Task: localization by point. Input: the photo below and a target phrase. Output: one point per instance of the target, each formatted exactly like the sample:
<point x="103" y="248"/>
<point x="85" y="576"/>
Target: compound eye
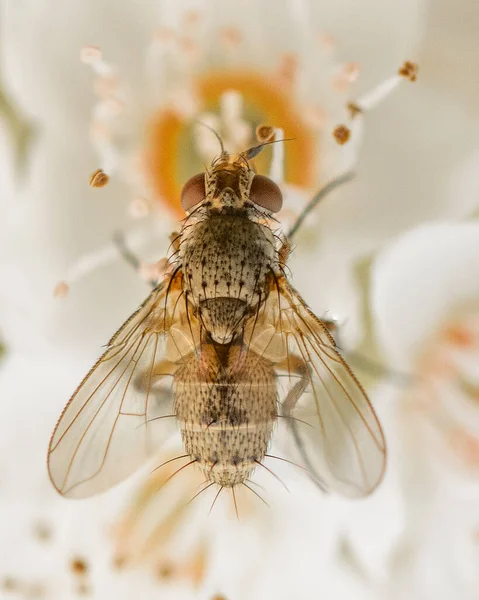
<point x="193" y="191"/>
<point x="266" y="193"/>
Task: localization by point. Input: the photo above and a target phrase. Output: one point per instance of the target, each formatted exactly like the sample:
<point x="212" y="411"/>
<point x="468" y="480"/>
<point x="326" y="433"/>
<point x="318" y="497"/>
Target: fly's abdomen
<point x="227" y="454"/>
<point x="226" y="413"/>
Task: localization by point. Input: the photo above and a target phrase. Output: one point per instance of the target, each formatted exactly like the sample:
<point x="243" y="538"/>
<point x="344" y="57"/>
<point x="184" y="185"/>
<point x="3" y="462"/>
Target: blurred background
<point x="393" y="256"/>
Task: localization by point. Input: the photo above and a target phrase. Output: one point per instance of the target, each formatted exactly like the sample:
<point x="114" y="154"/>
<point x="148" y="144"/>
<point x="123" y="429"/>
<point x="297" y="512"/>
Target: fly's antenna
<point x="215" y="133"/>
<point x="255" y="150"/>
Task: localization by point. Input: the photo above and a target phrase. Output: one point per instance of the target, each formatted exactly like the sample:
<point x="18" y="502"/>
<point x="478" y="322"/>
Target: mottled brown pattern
<point x="223" y="324"/>
<point x="225" y="398"/>
<point x="226" y="261"/>
<point x="225" y="403"/>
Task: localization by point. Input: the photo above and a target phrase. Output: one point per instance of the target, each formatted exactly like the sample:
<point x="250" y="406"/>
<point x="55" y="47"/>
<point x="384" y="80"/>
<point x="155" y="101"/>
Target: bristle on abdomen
<point x="227" y="454"/>
<point x="225" y="404"/>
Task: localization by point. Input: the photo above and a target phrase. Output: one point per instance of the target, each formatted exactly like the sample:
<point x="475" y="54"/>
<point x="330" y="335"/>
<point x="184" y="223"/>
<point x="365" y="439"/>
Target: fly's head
<point x="231" y="186"/>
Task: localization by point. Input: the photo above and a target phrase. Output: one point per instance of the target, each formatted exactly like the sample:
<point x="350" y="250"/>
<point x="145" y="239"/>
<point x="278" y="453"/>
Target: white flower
<point x="425" y="302"/>
<point x="55" y="218"/>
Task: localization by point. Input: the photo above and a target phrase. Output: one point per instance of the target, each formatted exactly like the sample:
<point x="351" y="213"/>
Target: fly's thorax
<point x="226" y="259"/>
<point x="225" y="401"/>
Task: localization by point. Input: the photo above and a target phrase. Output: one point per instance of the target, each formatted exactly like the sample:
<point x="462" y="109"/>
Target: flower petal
<point x="418" y="280"/>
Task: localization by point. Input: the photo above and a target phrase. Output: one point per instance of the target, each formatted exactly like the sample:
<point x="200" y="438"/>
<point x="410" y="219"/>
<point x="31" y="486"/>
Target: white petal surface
<point x="56" y="217"/>
<point x="412" y="145"/>
<point x="419" y="280"/>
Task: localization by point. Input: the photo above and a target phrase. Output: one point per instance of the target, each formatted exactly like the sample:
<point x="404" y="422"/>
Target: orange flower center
<point x="170" y="157"/>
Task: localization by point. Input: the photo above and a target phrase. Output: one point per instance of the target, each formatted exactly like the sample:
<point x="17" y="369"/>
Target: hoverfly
<point x="206" y="352"/>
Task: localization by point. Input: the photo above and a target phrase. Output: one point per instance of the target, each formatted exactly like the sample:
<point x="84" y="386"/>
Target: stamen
<point x="327" y="42"/>
<point x="99" y="258"/>
<point x="288" y="69"/>
<point x="353" y="109"/>
<point x="315" y="116"/>
<point x="61" y="290"/>
<point x="265" y="133"/>
<point x="342" y="134"/>
<point x="382" y="91"/>
<point x="276" y="169"/>
<point x="237" y="129"/>
<point x="230" y="37"/>
<point x="189" y="47"/>
<point x="351" y="131"/>
<point x="459" y="335"/>
<point x="409" y="70"/>
<point x="236" y="132"/>
<point x="90" y="55"/>
<point x="164" y="34"/>
<point x="231" y="103"/>
<point x="139" y="208"/>
<point x="91" y="262"/>
<point x="191" y="18"/>
<point x="99" y="179"/>
<point x="347" y="75"/>
<point x="107" y="88"/>
<point x="79" y="566"/>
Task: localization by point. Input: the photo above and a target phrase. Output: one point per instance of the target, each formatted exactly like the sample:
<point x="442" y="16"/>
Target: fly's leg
<point x="148" y="378"/>
<point x="284" y="251"/>
<point x="316" y="199"/>
<point x="297" y="366"/>
<point x="160" y="413"/>
<point x="360" y="361"/>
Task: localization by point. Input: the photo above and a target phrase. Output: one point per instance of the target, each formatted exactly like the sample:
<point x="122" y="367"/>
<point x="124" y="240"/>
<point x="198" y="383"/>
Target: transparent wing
<point x="113" y="422"/>
<point x="336" y="434"/>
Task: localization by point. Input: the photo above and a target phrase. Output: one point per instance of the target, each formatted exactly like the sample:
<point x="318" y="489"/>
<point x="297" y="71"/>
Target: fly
<point x="206" y="353"/>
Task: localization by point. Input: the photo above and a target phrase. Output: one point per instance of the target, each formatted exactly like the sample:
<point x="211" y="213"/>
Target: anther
<point x="354" y="109"/>
<point x="342" y="134"/>
<point x="99" y="179"/>
<point x="409" y="70"/>
<point x="265" y="133"/>
<point x="61" y="290"/>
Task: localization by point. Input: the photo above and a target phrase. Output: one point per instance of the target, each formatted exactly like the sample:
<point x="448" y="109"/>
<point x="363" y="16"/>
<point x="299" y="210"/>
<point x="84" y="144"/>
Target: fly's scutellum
<point x="206" y="352"/>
